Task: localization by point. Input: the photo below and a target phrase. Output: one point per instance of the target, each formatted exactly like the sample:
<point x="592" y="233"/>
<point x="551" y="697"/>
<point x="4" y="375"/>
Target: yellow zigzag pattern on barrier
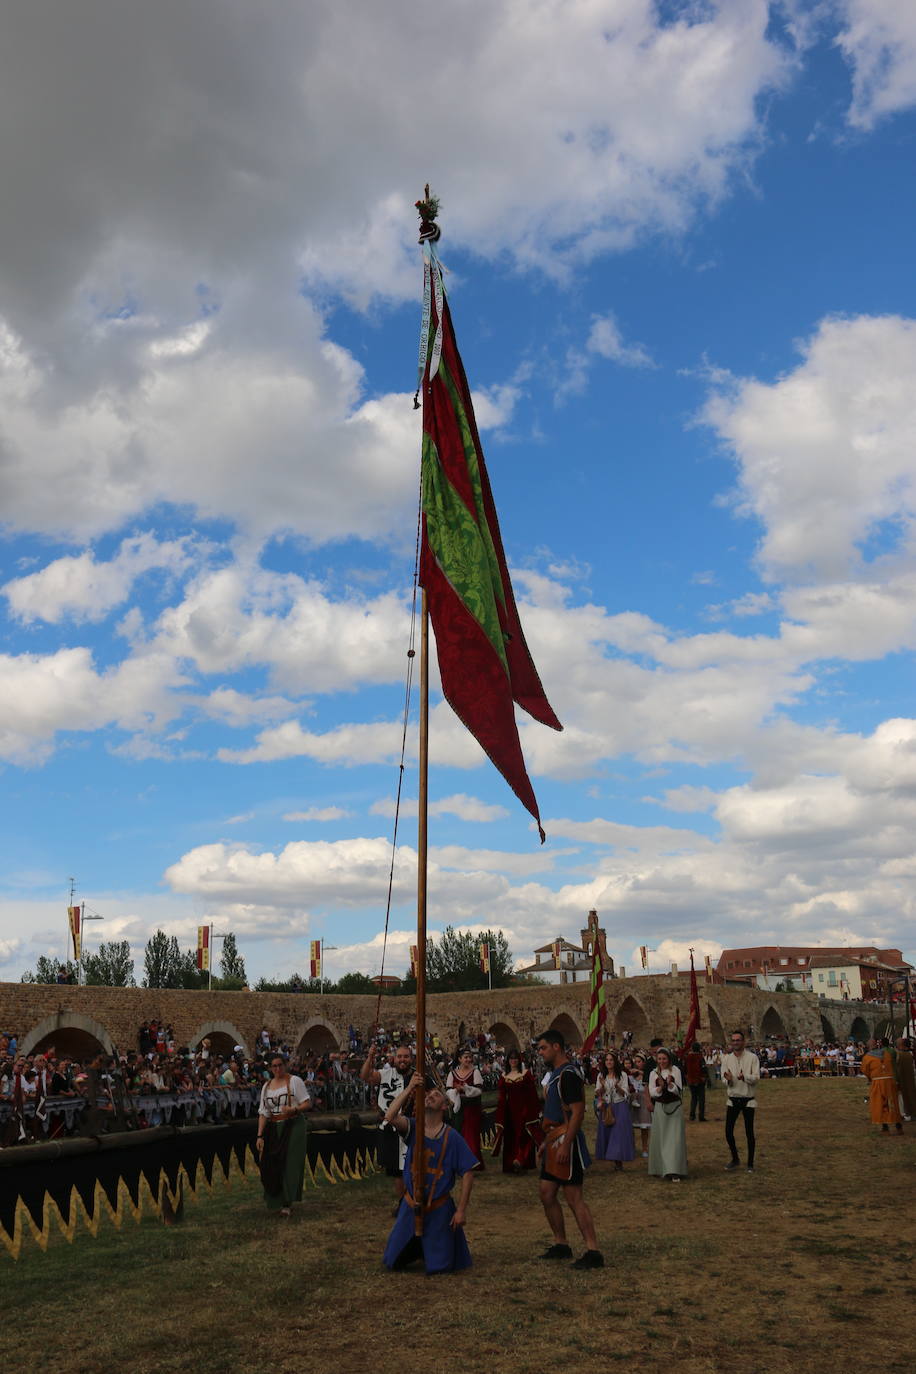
<point x="168" y="1201"/>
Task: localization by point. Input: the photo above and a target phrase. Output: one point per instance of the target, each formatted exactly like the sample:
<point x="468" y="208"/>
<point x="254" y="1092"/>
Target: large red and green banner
<point x="484" y="661"/>
<point x="597" y="1007"/>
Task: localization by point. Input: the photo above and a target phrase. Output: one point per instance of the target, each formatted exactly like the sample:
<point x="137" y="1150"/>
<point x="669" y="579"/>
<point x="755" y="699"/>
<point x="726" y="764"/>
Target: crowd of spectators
<point x="161" y="1080"/>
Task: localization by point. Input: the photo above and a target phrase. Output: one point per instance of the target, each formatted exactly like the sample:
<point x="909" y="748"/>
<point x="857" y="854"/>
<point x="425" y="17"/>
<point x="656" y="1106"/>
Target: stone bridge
<point x="79" y="1021"/>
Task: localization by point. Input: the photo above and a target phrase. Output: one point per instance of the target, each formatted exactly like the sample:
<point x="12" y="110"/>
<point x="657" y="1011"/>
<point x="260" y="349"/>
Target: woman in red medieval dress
<point x="464" y="1089"/>
<point x="518" y="1115"/>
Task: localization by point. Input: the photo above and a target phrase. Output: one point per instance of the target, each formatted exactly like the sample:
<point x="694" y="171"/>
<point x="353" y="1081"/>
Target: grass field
<point x="809" y="1260"/>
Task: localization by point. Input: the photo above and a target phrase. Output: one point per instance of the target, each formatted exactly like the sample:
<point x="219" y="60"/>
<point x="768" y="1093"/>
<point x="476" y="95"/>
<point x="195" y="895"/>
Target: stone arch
<point x="860" y="1030"/>
<point x="631" y="1016"/>
<point x="223" y="1037"/>
<point x="317" y="1036"/>
<point x="773" y="1024"/>
<point x="568" y="1028"/>
<point x="716" y="1029"/>
<point x="73" y="1035"/>
<point x="827" y="1029"/>
<point x="506" y="1033"/>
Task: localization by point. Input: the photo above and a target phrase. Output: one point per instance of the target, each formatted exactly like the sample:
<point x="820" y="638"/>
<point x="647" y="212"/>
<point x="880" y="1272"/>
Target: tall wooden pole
<point x="419" y="1156"/>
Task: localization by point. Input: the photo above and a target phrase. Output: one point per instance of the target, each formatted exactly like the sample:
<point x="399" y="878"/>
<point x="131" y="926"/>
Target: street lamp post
<point x="87" y="916"/>
<point x="324" y="950"/>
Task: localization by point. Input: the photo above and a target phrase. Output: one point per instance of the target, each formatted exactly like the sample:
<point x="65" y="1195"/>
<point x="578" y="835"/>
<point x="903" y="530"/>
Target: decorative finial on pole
<point x="428" y="209"/>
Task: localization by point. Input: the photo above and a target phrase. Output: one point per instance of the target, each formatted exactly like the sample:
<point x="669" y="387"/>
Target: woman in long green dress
<point x="668" y="1143"/>
<point x="281" y="1137"/>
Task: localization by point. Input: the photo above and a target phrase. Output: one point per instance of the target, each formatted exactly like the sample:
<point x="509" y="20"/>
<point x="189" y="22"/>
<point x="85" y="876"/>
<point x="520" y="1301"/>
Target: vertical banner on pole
<point x="315" y="959"/>
<point x="203" y="949"/>
<point x="414" y="961"/>
<point x="644" y="955"/>
<point x="76" y="930"/>
<point x="555" y="949"/>
<point x="484" y="951"/>
<point x="709" y="968"/>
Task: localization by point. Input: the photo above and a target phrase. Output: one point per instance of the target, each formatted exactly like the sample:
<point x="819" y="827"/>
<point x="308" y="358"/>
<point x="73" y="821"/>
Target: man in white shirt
<point x="740" y="1074"/>
<point x="391" y="1081"/>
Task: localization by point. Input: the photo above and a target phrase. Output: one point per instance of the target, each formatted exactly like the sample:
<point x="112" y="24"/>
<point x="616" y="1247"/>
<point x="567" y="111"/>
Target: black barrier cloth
<point x="159" y="1161"/>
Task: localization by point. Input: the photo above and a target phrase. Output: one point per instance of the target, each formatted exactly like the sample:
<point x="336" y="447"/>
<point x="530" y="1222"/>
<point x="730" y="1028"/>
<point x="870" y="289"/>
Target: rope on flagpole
<point x="408" y="689"/>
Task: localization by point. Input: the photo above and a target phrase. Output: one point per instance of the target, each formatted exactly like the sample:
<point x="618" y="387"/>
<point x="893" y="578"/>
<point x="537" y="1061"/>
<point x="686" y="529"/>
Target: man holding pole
<point x="442" y="1243"/>
<point x="564" y="1155"/>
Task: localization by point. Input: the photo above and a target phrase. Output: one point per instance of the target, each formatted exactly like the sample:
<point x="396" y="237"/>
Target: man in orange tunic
<point x="878" y="1067"/>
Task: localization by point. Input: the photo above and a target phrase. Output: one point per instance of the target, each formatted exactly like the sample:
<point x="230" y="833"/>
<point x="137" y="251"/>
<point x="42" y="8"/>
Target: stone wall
<point x="78" y="1019"/>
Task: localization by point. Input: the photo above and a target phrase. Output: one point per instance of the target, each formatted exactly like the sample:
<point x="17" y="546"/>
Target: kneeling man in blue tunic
<point x="564" y="1154"/>
<point x="443" y="1246"/>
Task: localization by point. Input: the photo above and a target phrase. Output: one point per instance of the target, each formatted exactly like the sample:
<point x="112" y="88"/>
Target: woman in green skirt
<point x="668" y="1145"/>
<point x="281" y="1137"/>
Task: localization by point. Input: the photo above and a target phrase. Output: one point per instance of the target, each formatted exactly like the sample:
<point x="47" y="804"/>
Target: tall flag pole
<point x="484" y="663"/>
<point x="597" y="1007"/>
<point x="203" y="949"/>
<point x="419" y="1151"/>
<point x="485" y="965"/>
<point x="693" y="1024"/>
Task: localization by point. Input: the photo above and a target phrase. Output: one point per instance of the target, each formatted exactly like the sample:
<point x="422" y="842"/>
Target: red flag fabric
<point x="484" y="662"/>
<point x="693" y="1023"/>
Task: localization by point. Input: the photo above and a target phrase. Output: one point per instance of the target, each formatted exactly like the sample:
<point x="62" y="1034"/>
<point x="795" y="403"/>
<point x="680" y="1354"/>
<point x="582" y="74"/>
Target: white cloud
<point x="686" y="799"/>
<point x="879" y="43"/>
<point x="62" y="691"/>
<point x="825" y="453"/>
<point x="318" y="813"/>
<point x="606" y="340"/>
<point x="159" y="348"/>
<point x="459" y="804"/>
<point x="84" y="589"/>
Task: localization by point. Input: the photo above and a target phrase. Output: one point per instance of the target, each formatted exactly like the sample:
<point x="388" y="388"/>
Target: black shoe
<point x="557" y="1251"/>
<point x="732" y="1164"/>
<point x="750" y="1168"/>
<point x="592" y="1259"/>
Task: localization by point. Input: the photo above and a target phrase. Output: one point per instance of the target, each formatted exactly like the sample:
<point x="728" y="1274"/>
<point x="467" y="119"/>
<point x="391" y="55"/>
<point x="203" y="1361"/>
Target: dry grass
<point x="808" y="1250"/>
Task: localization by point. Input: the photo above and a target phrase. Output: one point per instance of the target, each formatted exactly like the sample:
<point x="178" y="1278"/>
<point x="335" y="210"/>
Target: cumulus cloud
<point x="825" y="453"/>
<point x="879" y="43"/>
<point x="85" y="589"/>
<point x="157" y="344"/>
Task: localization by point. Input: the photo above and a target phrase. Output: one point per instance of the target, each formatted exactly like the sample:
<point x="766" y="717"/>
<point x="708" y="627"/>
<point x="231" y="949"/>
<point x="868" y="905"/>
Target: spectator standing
<point x="695" y="1069"/>
<point x="281" y="1141"/>
<point x="668" y="1147"/>
<point x="741" y="1074"/>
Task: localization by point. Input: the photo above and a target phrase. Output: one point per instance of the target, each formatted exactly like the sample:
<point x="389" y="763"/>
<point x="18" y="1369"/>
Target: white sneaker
<point x="645" y="1154"/>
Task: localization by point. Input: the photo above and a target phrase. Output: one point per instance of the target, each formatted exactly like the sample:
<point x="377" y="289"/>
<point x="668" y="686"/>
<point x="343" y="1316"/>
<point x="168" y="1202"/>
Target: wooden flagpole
<point x="419" y="1153"/>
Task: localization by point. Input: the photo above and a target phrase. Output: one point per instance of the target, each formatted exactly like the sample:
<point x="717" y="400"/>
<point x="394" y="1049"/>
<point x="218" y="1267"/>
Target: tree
<point x="355" y="982"/>
<point x="49" y="970"/>
<point x="163" y="963"/>
<point x="295" y="983"/>
<point x="192" y="978"/>
<point x="232" y="965"/>
<point x="111" y="967"/>
<point x="453" y="962"/>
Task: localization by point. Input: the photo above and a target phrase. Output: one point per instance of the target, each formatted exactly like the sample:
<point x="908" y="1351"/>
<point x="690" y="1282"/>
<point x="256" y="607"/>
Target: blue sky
<point x="680" y="266"/>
